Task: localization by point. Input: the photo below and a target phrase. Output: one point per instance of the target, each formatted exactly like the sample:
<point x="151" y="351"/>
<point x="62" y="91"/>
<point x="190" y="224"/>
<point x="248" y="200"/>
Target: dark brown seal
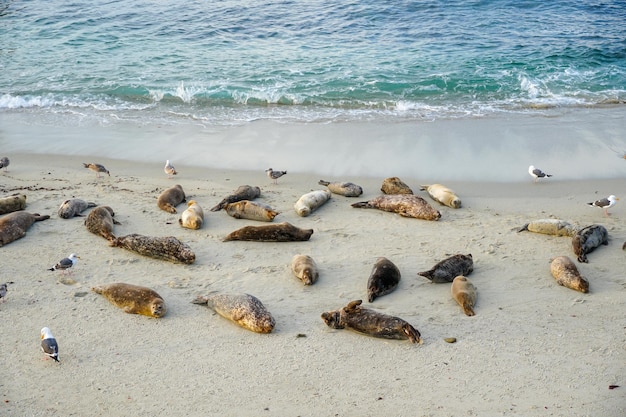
<point x="73" y="207"/>
<point x="406" y="205"/>
<point x="166" y="248"/>
<point x="395" y="185"/>
<point x="245" y="310"/>
<point x="13" y="226"/>
<point x="566" y="274"/>
<point x="133" y="299"/>
<point x="371" y="323"/>
<point x="11" y="203"/>
<point x="588" y="239"/>
<point x="281" y="232"/>
<point x="464" y="293"/>
<point x="384" y="278"/>
<point x="100" y="222"/>
<point x="450" y="268"/>
<point x="170" y="198"/>
<point x="244" y="192"/>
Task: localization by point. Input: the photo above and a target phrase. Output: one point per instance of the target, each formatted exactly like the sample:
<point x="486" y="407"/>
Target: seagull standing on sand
<point x="169" y="169"/>
<point x="3" y="292"/>
<point x="537" y="173"/>
<point x="275" y="175"/>
<point x="49" y="344"/>
<point x="97" y="168"/>
<point x="605" y="203"/>
<point x="4" y="163"/>
<point x="66" y="263"/>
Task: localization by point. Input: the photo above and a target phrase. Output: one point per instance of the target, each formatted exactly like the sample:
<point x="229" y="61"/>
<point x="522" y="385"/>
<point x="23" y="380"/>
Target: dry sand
<point x="533" y="349"/>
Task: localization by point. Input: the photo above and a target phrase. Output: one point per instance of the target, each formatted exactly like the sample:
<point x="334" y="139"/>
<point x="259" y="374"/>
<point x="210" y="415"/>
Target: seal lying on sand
<point x="384" y="278"/>
<point x="346" y="189"/>
<point x="170" y="198"/>
<point x="394" y="185"/>
<point x="100" y="222"/>
<point x="566" y="274"/>
<point x="245" y="310"/>
<point x="449" y="268"/>
<point x="244" y="192"/>
<point x="370" y="322"/>
<point x="305" y="269"/>
<point x="588" y="239"/>
<point x="251" y="210"/>
<point x="309" y="202"/>
<point x="166" y="248"/>
<point x="11" y="203"/>
<point x="133" y="299"/>
<point x="13" y="226"/>
<point x="192" y="217"/>
<point x="553" y="227"/>
<point x="281" y="232"/>
<point x="73" y="207"/>
<point x="442" y="194"/>
<point x="464" y="293"/>
<point x="406" y="205"/>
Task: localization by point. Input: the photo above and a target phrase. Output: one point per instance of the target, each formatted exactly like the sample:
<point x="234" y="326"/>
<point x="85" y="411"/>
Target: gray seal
<point x="449" y="268"/>
<point x="14" y="226"/>
<point x="73" y="207"/>
<point x="406" y="205"/>
<point x="588" y="239"/>
<point x="244" y="192"/>
<point x="244" y="310"/>
<point x="165" y="248"/>
<point x="346" y="189"/>
<point x="281" y="232"/>
<point x="384" y="278"/>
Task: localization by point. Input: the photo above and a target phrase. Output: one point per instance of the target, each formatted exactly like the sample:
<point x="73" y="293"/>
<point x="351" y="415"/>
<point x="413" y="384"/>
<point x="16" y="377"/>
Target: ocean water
<point x="230" y="64"/>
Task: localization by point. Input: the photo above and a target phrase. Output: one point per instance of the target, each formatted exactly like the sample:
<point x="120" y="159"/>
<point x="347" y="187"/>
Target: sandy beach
<point x="533" y="348"/>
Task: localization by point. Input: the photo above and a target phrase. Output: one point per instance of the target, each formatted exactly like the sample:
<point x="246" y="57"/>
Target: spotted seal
<point x="346" y="189"/>
<point x="305" y="269"/>
<point x="395" y="185"/>
<point x="11" y="203"/>
<point x="554" y="227"/>
<point x="464" y="292"/>
<point x="14" y="225"/>
<point x="442" y="195"/>
<point x="170" y="198"/>
<point x="244" y="310"/>
<point x="133" y="299"/>
<point x="588" y="239"/>
<point x="370" y="322"/>
<point x="166" y="248"/>
<point x="100" y="222"/>
<point x="192" y="217"/>
<point x="281" y="232"/>
<point x="73" y="207"/>
<point x="406" y="205"/>
<point x="311" y="201"/>
<point x="244" y="192"/>
<point x="251" y="210"/>
<point x="566" y="274"/>
<point x="449" y="268"/>
<point x="383" y="279"/>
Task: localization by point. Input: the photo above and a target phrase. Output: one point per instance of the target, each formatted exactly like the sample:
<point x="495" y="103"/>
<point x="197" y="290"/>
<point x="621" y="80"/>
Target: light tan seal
<point x="244" y="192"/>
<point x="11" y="203"/>
<point x="14" y="226"/>
<point x="305" y="269"/>
<point x="133" y="299"/>
<point x="192" y="217"/>
<point x="100" y="222"/>
<point x="251" y="210"/>
<point x="442" y="195"/>
<point x="566" y="274"/>
<point x="311" y="201"/>
<point x="281" y="232"/>
<point x="554" y="227"/>
<point x="383" y="279"/>
<point x="170" y="198"/>
<point x="406" y="205"/>
<point x="370" y="322"/>
<point x="244" y="310"/>
<point x="165" y="248"/>
<point x="464" y="292"/>
<point x="346" y="189"/>
<point x="395" y="185"/>
<point x="73" y="207"/>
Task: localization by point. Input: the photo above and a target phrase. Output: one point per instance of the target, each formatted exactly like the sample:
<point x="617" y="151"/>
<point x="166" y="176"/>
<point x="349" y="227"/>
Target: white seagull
<point x="4" y="163"/>
<point x="49" y="344"/>
<point x="66" y="263"/>
<point x="169" y="169"/>
<point x="275" y="175"/>
<point x="537" y="173"/>
<point x="605" y="203"/>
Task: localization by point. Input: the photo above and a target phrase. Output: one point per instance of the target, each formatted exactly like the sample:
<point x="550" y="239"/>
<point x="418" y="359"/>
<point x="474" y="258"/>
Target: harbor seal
<point x="73" y="207"/>
<point x="11" y="203"/>
<point x="305" y="269"/>
<point x="244" y="310"/>
<point x="464" y="292"/>
<point x="192" y="217"/>
<point x="281" y="232"/>
<point x="406" y="205"/>
<point x="346" y="189"/>
<point x="14" y="225"/>
<point x="310" y="202"/>
<point x="442" y="194"/>
<point x="170" y="198"/>
<point x="588" y="239"/>
<point x="395" y="185"/>
<point x="251" y="210"/>
<point x="384" y="278"/>
<point x="566" y="274"/>
<point x="370" y="322"/>
<point x="449" y="268"/>
<point x="133" y="299"/>
<point x="100" y="222"/>
<point x="554" y="227"/>
<point x="165" y="248"/>
<point x="244" y="192"/>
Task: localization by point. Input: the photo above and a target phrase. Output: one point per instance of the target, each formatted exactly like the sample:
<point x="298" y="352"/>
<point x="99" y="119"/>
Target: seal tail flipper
<point x="427" y="274"/>
<point x="200" y="300"/>
<point x="220" y="206"/>
<point x="97" y="290"/>
<point x="424" y="187"/>
<point x="362" y="204"/>
<point x="322" y="182"/>
<point x="523" y="228"/>
<point x="39" y="218"/>
<point x="412" y="333"/>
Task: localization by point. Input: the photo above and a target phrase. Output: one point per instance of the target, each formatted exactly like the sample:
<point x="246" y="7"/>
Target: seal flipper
<point x="412" y="333"/>
<point x="427" y="274"/>
<point x="362" y="204"/>
<point x="523" y="228"/>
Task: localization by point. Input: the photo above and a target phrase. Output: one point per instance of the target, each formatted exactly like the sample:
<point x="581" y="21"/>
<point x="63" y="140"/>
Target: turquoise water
<point x="231" y="62"/>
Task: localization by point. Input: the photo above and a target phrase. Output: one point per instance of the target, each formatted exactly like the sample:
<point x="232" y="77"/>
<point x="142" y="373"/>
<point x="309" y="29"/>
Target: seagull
<point x="3" y="292"/>
<point x="275" y="175"/>
<point x="4" y="163"/>
<point x="537" y="173"/>
<point x="49" y="344"/>
<point x="66" y="263"/>
<point x="169" y="169"/>
<point x="97" y="168"/>
<point x="605" y="203"/>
